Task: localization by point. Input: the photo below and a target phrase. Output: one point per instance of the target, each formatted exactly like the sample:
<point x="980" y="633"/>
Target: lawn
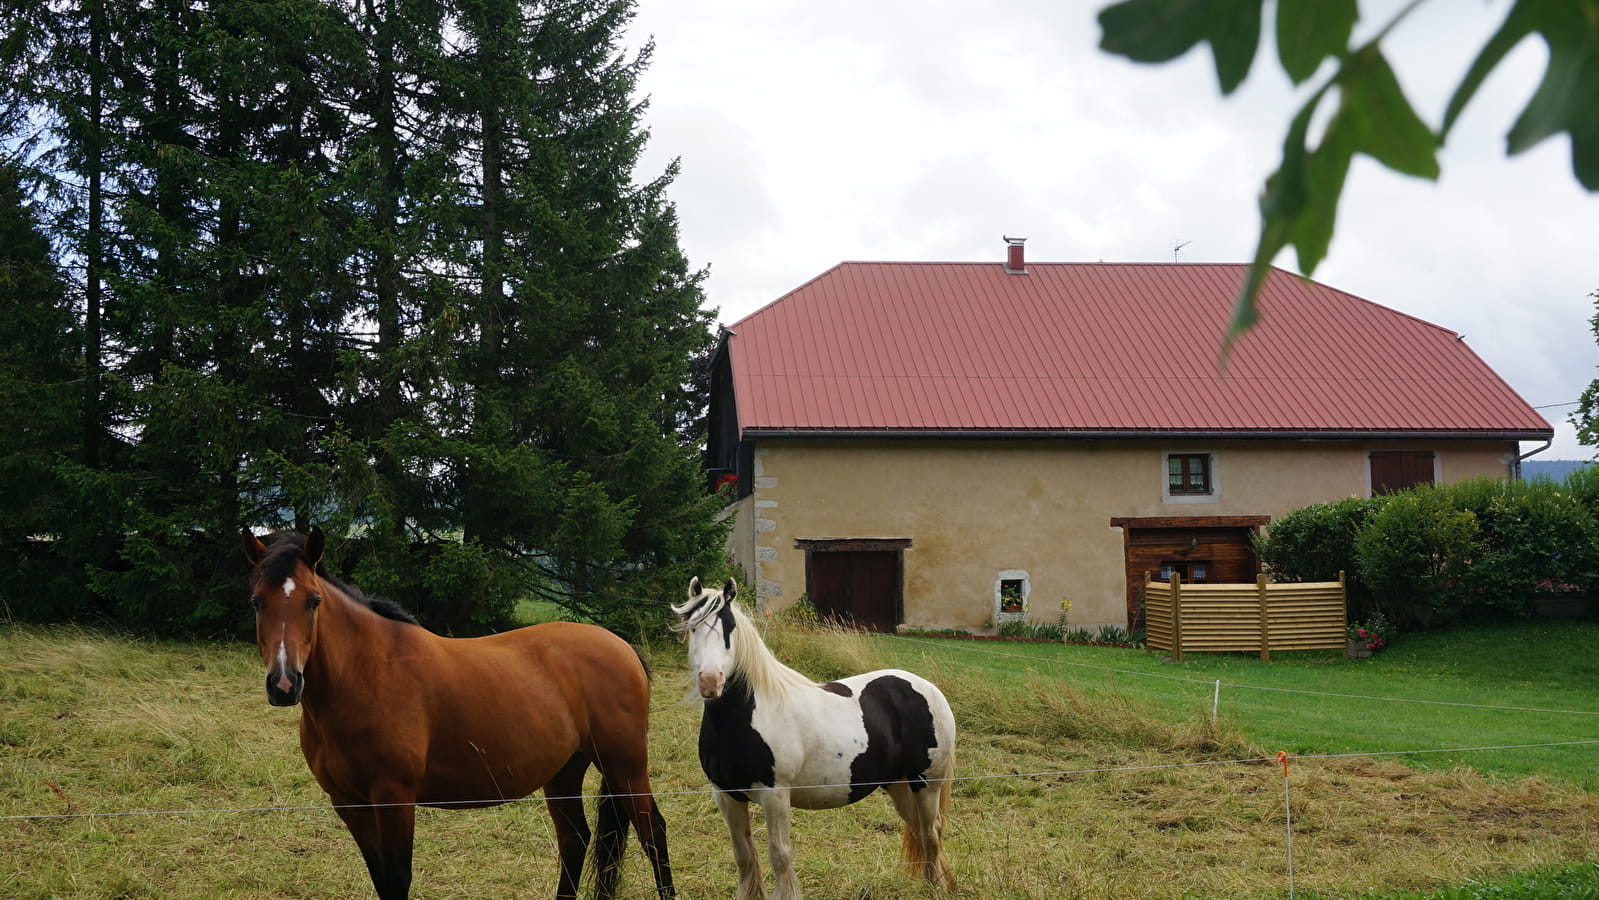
<point x="156" y="769"/>
<point x="1523" y="683"/>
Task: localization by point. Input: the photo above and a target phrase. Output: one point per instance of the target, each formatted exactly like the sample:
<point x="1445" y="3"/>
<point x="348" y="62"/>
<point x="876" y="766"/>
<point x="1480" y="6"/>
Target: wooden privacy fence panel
<point x="1244" y="617"/>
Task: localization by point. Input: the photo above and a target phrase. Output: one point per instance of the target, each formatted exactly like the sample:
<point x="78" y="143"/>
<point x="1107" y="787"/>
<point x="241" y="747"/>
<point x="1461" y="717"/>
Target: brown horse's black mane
<point x="283" y="554"/>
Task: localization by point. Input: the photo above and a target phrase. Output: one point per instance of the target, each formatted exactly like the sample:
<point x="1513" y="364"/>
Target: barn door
<point x="859" y="587"/>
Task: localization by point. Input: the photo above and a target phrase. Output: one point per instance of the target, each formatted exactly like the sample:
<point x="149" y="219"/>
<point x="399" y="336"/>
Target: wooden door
<point x="860" y="587"/>
<point x="1198" y="549"/>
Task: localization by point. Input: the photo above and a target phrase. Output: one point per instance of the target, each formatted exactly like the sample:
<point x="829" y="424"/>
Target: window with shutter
<point x="1395" y="470"/>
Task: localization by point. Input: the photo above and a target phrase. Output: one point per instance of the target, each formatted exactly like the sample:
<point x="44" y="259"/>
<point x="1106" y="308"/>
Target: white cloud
<point x="816" y="132"/>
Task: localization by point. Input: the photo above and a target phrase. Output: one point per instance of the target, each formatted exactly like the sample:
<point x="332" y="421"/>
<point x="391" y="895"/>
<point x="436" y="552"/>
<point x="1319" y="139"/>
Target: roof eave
<point x="1120" y="434"/>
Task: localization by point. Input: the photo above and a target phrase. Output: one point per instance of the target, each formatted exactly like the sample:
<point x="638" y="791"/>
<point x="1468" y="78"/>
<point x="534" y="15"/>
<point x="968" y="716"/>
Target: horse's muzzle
<point x="283" y="687"/>
<point x="711" y="685"/>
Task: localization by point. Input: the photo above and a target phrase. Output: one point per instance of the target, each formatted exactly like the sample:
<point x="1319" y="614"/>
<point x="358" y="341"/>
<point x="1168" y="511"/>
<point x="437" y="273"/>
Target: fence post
<point x="1265" y="619"/>
<point x="1149" y="645"/>
<point x="1176" y="618"/>
<point x="1343" y="594"/>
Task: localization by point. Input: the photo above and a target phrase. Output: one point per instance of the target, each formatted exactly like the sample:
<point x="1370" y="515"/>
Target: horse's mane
<point x="768" y="678"/>
<point x="283" y="554"/>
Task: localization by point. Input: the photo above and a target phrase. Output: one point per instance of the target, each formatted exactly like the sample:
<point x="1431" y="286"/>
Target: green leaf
<point x="1510" y="33"/>
<point x="1282" y="202"/>
<point x="1564" y="100"/>
<point x="1153" y="31"/>
<point x="1309" y="31"/>
<point x="1387" y="126"/>
<point x="1311" y="229"/>
<point x="1300" y="204"/>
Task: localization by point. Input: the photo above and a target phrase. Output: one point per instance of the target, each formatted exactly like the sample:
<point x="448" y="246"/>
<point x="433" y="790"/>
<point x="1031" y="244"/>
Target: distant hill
<point x="1553" y="469"/>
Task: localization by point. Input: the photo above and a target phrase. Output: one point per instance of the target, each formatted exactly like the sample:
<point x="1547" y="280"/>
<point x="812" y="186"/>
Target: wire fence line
<point x="1253" y="687"/>
<point x="958" y="779"/>
<point x="1062" y="773"/>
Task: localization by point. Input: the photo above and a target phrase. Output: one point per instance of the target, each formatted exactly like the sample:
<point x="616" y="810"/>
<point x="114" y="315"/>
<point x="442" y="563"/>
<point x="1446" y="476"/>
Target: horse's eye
<point x="255" y="602"/>
<point x="313" y="601"/>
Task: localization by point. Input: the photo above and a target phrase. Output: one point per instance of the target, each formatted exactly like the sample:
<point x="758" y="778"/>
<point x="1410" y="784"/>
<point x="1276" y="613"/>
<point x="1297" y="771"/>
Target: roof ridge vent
<point x="1015" y="255"/>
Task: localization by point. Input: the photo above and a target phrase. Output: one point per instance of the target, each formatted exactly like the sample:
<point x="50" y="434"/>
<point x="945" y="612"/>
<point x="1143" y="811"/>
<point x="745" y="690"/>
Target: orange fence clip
<point x="1282" y="757"/>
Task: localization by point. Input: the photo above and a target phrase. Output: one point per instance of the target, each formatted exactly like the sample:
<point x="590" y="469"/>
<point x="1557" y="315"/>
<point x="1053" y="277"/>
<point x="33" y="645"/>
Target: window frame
<point x="1206" y="473"/>
<point x="1410" y="467"/>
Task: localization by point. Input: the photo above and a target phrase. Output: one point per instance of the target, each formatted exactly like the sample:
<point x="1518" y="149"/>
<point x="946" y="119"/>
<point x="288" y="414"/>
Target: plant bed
<point x="968" y="636"/>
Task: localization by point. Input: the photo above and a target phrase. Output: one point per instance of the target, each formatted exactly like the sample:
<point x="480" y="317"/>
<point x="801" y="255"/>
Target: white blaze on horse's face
<point x="285" y="615"/>
<point x="707" y="619"/>
<point x="285" y="632"/>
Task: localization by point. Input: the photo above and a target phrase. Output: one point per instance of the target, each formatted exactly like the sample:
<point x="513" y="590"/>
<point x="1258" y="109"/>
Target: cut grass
<point x="125" y="725"/>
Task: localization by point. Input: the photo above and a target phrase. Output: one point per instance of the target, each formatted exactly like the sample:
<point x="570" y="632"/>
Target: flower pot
<point x="1358" y="650"/>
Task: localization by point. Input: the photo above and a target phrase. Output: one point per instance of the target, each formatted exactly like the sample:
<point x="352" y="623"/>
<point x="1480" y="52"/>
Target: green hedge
<point x="1438" y="553"/>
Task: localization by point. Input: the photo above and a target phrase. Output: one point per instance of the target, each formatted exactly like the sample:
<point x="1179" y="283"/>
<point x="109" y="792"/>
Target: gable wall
<point x="974" y="509"/>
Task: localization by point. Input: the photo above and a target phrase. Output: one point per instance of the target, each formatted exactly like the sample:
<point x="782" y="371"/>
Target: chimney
<point x="1015" y="258"/>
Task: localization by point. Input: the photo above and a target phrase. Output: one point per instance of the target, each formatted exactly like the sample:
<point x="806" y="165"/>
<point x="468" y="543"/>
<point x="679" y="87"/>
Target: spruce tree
<point x="378" y="265"/>
<point x="582" y="322"/>
<point x="39" y="391"/>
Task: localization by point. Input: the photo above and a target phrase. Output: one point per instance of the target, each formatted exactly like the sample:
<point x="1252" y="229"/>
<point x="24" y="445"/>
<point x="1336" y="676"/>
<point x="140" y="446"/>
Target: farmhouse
<point x="959" y="444"/>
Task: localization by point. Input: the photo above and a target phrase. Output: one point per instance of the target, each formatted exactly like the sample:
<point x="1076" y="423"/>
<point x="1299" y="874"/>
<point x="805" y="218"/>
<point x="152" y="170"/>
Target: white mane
<point x="767" y="677"/>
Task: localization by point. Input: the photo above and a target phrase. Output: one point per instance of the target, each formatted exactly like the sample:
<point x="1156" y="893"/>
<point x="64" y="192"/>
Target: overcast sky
<point x="812" y="132"/>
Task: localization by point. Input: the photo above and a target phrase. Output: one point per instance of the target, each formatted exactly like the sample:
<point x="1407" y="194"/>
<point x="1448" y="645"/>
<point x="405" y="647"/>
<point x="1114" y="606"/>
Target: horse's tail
<point x="610" y="840"/>
<point x="642" y="662"/>
<point x="922" y="847"/>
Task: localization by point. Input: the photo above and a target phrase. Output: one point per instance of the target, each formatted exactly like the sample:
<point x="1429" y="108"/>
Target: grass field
<point x="182" y="783"/>
<point x="1534" y="682"/>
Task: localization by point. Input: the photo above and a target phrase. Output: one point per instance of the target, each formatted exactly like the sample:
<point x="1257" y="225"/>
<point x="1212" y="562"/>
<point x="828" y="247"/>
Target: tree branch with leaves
<point x="1299" y="203"/>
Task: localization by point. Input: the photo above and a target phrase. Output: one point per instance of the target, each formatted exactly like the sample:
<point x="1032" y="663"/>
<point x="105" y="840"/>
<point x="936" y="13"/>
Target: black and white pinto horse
<point x="772" y="736"/>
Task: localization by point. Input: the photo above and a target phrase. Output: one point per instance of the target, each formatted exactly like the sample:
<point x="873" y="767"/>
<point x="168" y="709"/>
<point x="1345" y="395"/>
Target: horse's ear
<point x="312" y="554"/>
<point x="253" y="548"/>
<point x="730" y="590"/>
<point x="694" y="589"/>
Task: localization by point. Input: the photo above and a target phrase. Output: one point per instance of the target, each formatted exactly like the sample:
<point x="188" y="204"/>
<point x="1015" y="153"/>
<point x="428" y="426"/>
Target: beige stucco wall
<point x="974" y="509"/>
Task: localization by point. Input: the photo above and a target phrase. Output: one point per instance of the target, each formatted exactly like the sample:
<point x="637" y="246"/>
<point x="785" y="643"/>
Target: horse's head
<point x="285" y="592"/>
<point x="707" y="620"/>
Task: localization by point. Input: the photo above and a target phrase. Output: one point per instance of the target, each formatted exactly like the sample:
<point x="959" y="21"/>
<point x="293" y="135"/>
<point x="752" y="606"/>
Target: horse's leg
<point x="564" y="797"/>
<point x="922" y="849"/>
<point x="778" y="808"/>
<point x="384" y="834"/>
<point x="736" y="813"/>
<point x="946" y="787"/>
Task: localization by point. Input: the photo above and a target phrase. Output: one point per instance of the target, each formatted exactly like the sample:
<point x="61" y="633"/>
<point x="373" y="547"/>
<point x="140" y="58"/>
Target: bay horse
<point x="772" y="736"/>
<point x="394" y="717"/>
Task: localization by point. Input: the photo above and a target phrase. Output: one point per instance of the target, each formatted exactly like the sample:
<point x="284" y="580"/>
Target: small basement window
<point x="1010" y="595"/>
<point x="1011" y="590"/>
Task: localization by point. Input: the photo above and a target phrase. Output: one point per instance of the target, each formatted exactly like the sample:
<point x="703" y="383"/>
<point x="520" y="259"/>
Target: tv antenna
<point x="1178" y="246"/>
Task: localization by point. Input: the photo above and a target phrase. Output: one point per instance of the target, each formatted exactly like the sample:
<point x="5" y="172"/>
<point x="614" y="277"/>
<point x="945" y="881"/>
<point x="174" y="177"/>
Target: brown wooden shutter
<point x="1395" y="470"/>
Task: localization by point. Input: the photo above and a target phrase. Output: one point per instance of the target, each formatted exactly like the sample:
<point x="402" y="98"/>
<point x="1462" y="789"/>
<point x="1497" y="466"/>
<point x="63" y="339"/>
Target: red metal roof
<point x="1103" y="348"/>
